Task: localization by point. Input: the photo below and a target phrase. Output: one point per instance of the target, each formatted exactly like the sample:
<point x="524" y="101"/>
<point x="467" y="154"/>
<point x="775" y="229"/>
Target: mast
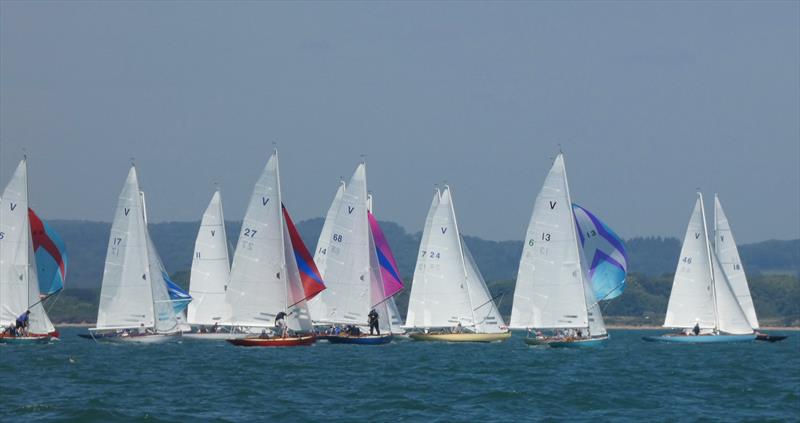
<point x="461" y="253"/>
<point x="283" y="245"/>
<point x="710" y="263"/>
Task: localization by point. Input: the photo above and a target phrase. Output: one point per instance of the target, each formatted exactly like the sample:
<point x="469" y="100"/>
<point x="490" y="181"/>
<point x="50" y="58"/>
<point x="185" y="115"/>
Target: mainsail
<point x="553" y="290"/>
<point x="346" y="269"/>
<point x="265" y="279"/>
<point x="316" y="306"/>
<point x="19" y="283"/>
<point x="51" y="255"/>
<point x="728" y="254"/>
<point x="447" y="288"/>
<point x="133" y="292"/>
<point x="605" y="254"/>
<point x="210" y="268"/>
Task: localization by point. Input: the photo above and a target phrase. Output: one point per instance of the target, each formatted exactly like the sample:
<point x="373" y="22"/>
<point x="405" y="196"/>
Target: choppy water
<point x="627" y="379"/>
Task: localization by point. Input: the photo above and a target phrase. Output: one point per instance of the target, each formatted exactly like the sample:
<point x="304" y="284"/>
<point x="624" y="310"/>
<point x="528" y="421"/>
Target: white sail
<point x="257" y="289"/>
<point x="395" y="319"/>
<point x="210" y="268"/>
<point x="487" y="316"/>
<point x="551" y="281"/>
<point x="316" y="306"/>
<point x="730" y="317"/>
<point x="19" y="284"/>
<point x="264" y="279"/>
<point x="447" y="288"/>
<point x="728" y="254"/>
<point x="166" y="320"/>
<point x="346" y="272"/>
<point x="126" y="295"/>
<point x="691" y="301"/>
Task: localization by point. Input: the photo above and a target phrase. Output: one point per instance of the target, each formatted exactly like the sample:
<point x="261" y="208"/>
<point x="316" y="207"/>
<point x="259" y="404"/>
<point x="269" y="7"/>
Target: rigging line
<point x="46" y="297"/>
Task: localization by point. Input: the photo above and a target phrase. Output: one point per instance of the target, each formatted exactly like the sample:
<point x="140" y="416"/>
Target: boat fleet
<point x="274" y="292"/>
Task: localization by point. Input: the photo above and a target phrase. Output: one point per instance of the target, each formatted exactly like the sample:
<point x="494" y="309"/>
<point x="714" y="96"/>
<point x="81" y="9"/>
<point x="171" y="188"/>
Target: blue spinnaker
<point x="180" y="299"/>
<point x="608" y="261"/>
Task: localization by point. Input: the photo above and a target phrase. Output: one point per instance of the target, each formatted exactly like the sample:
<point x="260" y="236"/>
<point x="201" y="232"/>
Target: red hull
<point x="274" y="342"/>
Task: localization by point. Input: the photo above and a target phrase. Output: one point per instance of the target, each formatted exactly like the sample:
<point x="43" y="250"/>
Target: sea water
<point x="626" y="379"/>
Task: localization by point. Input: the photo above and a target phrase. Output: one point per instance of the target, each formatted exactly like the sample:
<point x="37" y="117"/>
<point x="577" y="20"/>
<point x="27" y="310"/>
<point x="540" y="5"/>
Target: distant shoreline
<point x="625" y="327"/>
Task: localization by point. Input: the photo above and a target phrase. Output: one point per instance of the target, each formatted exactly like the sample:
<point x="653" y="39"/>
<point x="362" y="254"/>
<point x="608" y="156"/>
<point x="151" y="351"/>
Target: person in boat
<point x="580" y="333"/>
<point x="280" y="324"/>
<point x="21" y="323"/>
<point x="215" y="328"/>
<point x="458" y="328"/>
<point x="696" y="329"/>
<point x="264" y="334"/>
<point x="372" y="317"/>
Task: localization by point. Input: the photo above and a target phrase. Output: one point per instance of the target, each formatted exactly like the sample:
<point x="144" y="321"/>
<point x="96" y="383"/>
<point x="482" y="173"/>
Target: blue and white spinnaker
<point x="605" y="252"/>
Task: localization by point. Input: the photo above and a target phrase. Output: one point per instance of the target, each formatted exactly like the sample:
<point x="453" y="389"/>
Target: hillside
<point x="772" y="266"/>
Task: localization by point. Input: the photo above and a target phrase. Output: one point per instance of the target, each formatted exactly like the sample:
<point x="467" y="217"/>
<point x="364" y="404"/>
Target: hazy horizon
<point x="649" y="101"/>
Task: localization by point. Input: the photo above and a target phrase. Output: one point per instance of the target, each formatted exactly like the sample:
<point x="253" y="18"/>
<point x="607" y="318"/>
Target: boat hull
<point x="218" y="336"/>
<point x="700" y="339"/>
<point x="566" y="343"/>
<point x="134" y="339"/>
<point x="769" y="338"/>
<point x="461" y="337"/>
<point x="35" y="339"/>
<point x="294" y="341"/>
<point x="358" y="340"/>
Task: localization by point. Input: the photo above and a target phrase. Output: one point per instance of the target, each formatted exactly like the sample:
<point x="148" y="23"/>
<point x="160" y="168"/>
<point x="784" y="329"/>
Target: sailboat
<point x="554" y="297"/>
<point x="19" y="282"/>
<point x="449" y="299"/>
<point x="210" y="275"/>
<point x="134" y="300"/>
<point x="728" y="254"/>
<point x="351" y="269"/>
<point x="272" y="275"/>
<point x="702" y="303"/>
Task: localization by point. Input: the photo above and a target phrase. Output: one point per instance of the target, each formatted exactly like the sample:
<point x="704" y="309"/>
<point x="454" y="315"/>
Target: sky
<point x="648" y="100"/>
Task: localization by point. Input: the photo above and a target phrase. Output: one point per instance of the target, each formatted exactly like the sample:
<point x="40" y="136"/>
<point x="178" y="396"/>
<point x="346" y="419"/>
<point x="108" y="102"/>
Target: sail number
<point x="431" y="254"/>
<point x="337" y="237"/>
<point x="591" y="234"/>
<point x="251" y="233"/>
<point x="2" y="235"/>
<point x="115" y="243"/>
<point x="687" y="260"/>
<point x="545" y="236"/>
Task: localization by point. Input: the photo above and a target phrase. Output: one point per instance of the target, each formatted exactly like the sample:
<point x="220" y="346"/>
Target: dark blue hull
<point x="358" y="340"/>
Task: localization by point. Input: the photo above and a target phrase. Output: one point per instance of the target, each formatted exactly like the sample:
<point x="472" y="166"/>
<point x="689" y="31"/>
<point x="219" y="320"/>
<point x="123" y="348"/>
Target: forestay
<point x="551" y="290"/>
<point x="19" y="284"/>
<point x="728" y="254"/>
<point x="210" y="268"/>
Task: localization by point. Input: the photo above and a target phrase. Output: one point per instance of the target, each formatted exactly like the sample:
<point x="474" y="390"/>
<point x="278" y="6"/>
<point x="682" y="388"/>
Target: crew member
<point x="373" y="322"/>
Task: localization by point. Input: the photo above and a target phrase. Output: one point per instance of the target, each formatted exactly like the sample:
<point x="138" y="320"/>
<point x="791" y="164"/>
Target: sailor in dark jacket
<point x="373" y="322"/>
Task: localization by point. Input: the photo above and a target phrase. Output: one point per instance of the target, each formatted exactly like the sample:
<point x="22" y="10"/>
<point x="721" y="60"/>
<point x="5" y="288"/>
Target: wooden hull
<point x="34" y="339"/>
<point x="461" y="337"/>
<point x="358" y="340"/>
<point x="701" y="339"/>
<point x="566" y="343"/>
<point x="294" y="341"/>
<point x="217" y="336"/>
